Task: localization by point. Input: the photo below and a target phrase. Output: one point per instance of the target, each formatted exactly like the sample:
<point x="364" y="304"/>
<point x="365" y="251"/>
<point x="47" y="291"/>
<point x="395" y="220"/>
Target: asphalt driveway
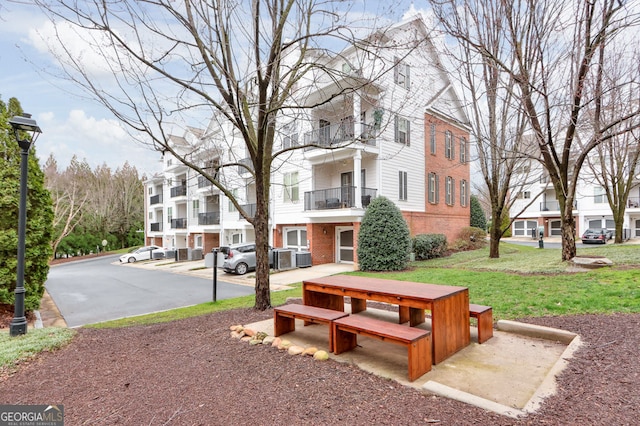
<point x="101" y="289"/>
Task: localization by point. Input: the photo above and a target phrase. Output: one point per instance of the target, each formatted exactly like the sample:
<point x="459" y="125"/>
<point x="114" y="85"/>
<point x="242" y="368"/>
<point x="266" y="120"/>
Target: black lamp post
<point x="21" y="124"/>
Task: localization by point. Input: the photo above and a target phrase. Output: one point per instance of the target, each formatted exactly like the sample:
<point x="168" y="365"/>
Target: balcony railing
<point x="180" y="223"/>
<point x="339" y="134"/>
<point x="155" y="199"/>
<point x="178" y="191"/>
<point x="209" y="218"/>
<point x="156" y="227"/>
<point x="554" y="206"/>
<point x="335" y="198"/>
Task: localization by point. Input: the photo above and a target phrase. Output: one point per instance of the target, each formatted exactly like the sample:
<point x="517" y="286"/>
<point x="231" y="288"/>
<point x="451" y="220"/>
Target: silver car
<point x="241" y="258"/>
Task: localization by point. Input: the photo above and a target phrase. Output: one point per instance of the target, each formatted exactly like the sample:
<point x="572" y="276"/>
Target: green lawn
<point x="523" y="282"/>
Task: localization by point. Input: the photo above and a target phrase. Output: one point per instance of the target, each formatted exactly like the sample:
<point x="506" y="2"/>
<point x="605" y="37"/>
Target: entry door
<point x="344" y="235"/>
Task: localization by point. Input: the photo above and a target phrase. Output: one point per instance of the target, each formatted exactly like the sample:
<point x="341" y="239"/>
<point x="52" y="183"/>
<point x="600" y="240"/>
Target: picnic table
<point x="449" y="305"/>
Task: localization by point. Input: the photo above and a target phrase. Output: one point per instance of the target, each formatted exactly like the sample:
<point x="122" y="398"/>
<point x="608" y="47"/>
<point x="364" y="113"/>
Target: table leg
<point x="358" y="305"/>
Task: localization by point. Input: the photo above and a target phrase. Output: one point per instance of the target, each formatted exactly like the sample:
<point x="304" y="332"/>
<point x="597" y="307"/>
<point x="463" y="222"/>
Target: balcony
<point x="155" y="199"/>
<point x="180" y="223"/>
<point x="336" y="198"/>
<point x="203" y="182"/>
<point x="209" y="218"/>
<point x="547" y="206"/>
<point x="338" y="135"/>
<point x="156" y="227"/>
<point x="179" y="191"/>
<point x="633" y="202"/>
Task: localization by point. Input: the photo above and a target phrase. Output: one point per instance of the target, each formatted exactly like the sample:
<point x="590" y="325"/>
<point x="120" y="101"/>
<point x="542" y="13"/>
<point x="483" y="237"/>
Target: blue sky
<point x="71" y="123"/>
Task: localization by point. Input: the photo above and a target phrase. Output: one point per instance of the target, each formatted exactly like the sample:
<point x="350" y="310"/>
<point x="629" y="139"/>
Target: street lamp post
<point x="22" y="123"/>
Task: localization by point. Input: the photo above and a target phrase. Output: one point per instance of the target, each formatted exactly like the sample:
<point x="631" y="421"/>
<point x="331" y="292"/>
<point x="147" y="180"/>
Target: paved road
<point x="100" y="289"/>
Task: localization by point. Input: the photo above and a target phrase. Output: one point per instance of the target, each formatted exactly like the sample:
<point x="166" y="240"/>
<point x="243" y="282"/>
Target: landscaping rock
<point x="268" y="340"/>
<point x="249" y="332"/>
<point x="276" y="342"/>
<point x="284" y="344"/>
<point x="310" y="351"/>
<point x="295" y="350"/>
<point x="321" y="356"/>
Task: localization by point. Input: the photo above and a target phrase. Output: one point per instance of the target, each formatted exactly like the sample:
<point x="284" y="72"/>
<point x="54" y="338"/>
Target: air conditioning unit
<point x="303" y="259"/>
<point x="284" y="259"/>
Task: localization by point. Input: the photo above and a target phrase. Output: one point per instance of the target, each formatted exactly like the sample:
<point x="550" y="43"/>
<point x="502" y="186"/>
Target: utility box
<point x="303" y="259"/>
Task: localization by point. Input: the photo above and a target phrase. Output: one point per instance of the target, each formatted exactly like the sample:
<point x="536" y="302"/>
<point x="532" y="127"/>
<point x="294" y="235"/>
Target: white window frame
<point x="449" y="151"/>
<point x="402" y="131"/>
<point x="463" y="193"/>
<point x="401" y="74"/>
<point x="433" y="189"/>
<point x="403" y="183"/>
<point x="599" y="195"/>
<point x="291" y="193"/>
<point x="232" y="207"/>
<point x="195" y="208"/>
<point x="450" y="191"/>
<point x="432" y="139"/>
<point x="463" y="150"/>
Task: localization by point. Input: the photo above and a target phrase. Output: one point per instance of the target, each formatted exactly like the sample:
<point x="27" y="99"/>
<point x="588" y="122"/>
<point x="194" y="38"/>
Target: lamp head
<point x="25" y="123"/>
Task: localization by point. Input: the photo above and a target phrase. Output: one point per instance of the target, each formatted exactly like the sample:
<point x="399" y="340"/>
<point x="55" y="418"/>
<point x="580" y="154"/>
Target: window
<point x="402" y="128"/>
<point x="402" y="186"/>
<point x="401" y="74"/>
<point x="295" y="238"/>
<point x="291" y="189"/>
<point x="434" y="193"/>
<point x="290" y="139"/>
<point x="169" y="214"/>
<point x="463" y="193"/>
<point x="524" y="195"/>
<point x="599" y="196"/>
<point x="450" y="190"/>
<point x="463" y="150"/>
<point x="449" y="151"/>
<point x="232" y="207"/>
<point x="196" y="208"/>
<point x="198" y="241"/>
<point x="150" y="190"/>
<point x="432" y="139"/>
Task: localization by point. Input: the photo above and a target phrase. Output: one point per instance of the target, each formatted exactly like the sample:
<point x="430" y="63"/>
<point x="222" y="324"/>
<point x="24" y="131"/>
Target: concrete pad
<point x="510" y="374"/>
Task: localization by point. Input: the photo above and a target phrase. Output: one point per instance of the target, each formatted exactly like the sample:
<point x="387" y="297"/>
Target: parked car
<point x="143" y="253"/>
<point x="241" y="258"/>
<point x="596" y="236"/>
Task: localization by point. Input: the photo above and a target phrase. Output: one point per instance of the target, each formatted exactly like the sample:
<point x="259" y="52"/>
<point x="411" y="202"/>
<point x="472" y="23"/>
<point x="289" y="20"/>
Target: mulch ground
<point x="190" y="372"/>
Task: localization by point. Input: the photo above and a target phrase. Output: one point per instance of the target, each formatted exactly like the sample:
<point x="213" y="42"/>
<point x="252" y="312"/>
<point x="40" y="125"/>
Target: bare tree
<point x="69" y="193"/>
<point x="553" y="48"/>
<point x="178" y="62"/>
<point x="498" y="122"/>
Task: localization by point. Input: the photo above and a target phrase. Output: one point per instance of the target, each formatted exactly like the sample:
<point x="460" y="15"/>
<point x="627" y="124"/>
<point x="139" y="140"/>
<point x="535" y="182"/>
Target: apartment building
<point x="590" y="210"/>
<point x="396" y="129"/>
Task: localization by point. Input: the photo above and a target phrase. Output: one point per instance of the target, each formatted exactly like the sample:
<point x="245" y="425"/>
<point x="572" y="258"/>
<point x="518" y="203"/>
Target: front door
<point x="346" y="185"/>
<point x="344" y="235"/>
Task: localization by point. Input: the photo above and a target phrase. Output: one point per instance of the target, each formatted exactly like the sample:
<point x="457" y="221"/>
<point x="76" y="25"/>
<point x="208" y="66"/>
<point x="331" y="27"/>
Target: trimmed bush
<point x="429" y="246"/>
<point x="470" y="238"/>
<point x="384" y="239"/>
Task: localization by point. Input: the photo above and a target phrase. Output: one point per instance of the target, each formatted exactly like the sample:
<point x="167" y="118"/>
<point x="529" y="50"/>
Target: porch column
<point x="357" y="166"/>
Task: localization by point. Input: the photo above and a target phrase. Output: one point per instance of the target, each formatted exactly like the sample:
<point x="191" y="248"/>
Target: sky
<point x="71" y="123"/>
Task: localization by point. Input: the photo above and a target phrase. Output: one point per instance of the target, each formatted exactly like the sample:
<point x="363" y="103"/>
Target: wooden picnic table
<point x="449" y="305"/>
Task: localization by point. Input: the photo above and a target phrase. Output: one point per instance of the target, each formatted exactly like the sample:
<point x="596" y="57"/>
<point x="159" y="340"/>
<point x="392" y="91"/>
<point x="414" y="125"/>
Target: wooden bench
<point x="284" y="318"/>
<point x="417" y="341"/>
<point x="484" y="315"/>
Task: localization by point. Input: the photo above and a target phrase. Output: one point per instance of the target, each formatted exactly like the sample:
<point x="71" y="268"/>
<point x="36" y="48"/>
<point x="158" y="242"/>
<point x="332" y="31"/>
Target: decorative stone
<point x="236" y="328"/>
<point x="249" y="332"/>
<point x="260" y="335"/>
<point x="310" y="351"/>
<point x="254" y="342"/>
<point x="276" y="342"/>
<point x="236" y="335"/>
<point x="284" y="344"/>
<point x="321" y="356"/>
<point x="245" y="338"/>
<point x="268" y="340"/>
<point x="295" y="350"/>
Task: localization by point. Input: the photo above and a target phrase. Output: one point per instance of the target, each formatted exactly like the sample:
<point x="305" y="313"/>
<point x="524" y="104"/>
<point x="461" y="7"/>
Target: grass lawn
<point x="523" y="282"/>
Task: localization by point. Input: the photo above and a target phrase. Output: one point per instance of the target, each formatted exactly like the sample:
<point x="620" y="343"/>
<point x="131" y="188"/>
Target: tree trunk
<point x="568" y="238"/>
<point x="494" y="243"/>
<point x="261" y="227"/>
<point x="618" y="217"/>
